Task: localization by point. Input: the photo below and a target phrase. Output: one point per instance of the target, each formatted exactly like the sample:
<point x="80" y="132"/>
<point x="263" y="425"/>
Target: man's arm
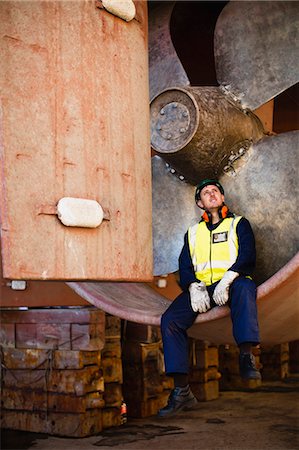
<point x="245" y="262"/>
<point x="187" y="275"/>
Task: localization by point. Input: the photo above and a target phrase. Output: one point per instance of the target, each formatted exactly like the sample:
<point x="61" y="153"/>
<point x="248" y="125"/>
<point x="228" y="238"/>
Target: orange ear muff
<point x="223" y="211"/>
<point x="206" y="216"/>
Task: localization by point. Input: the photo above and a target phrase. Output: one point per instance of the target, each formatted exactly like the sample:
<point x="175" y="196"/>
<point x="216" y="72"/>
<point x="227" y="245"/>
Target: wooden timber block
<point x="204" y="375"/>
<point x="112" y="348"/>
<point x="166" y="382"/>
<point x="63" y="336"/>
<point x="229" y="368"/>
<point x="112" y="370"/>
<point x="232" y="382"/>
<point x="275" y="371"/>
<point x="146" y="408"/>
<point x="275" y="354"/>
<point x="88" y="336"/>
<point x="7" y="334"/>
<point x="113" y="395"/>
<point x="32" y="358"/>
<point x="54" y="423"/>
<point x="205" y="391"/>
<point x="43" y="335"/>
<point x="141" y="365"/>
<point x="65" y="328"/>
<point x="34" y="400"/>
<point x="54" y="315"/>
<point x="229" y="359"/>
<point x="112" y="326"/>
<point x="138" y="332"/>
<point x="140" y="383"/>
<point x="202" y="354"/>
<point x="278" y="349"/>
<point x="140" y="352"/>
<point x="294" y="356"/>
<point x="111" y="417"/>
<point x="275" y="361"/>
<point x="78" y="382"/>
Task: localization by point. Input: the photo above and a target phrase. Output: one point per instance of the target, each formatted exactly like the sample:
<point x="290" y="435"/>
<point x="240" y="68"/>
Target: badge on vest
<point x="220" y="237"/>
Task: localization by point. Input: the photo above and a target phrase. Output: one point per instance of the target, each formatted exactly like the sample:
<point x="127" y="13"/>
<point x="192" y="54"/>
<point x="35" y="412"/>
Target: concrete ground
<point x="264" y="419"/>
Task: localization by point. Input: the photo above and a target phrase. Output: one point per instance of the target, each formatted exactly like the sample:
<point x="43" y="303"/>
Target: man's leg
<point x="245" y="324"/>
<point x="174" y="325"/>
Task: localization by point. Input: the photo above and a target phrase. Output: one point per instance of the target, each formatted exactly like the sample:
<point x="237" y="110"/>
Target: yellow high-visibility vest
<point x="213" y="252"/>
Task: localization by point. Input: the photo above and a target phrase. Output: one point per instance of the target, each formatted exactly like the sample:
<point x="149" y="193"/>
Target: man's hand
<point x="221" y="292"/>
<point x="200" y="300"/>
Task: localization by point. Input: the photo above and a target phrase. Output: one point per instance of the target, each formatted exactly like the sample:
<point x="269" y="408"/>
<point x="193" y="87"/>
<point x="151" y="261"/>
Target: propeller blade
<point x="256" y="50"/>
<point x="174" y="210"/>
<point x="263" y="186"/>
<point x="165" y="68"/>
<point x="136" y="302"/>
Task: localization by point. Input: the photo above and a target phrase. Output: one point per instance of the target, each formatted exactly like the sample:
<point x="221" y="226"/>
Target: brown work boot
<point x="180" y="399"/>
<point x="248" y="368"/>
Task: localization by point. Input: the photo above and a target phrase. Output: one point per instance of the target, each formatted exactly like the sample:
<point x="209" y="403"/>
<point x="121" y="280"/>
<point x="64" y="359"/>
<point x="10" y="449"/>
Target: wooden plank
<point x="89" y="336"/>
<point x="206" y="391"/>
<point x="34" y="400"/>
<point x="275" y="371"/>
<point x="78" y="382"/>
<point x="112" y="326"/>
<point x="146" y="408"/>
<point x="81" y="133"/>
<point x="229" y="360"/>
<point x="139" y="352"/>
<point x="139" y="387"/>
<point x="29" y="358"/>
<point x="53" y="315"/>
<point x="111" y="417"/>
<point x="113" y="394"/>
<point x="142" y="333"/>
<point x="202" y="355"/>
<point x="43" y="335"/>
<point x="112" y="370"/>
<point x="232" y="382"/>
<point x="294" y="356"/>
<point x="61" y="424"/>
<point x="167" y="382"/>
<point x="204" y="375"/>
<point x="112" y="348"/>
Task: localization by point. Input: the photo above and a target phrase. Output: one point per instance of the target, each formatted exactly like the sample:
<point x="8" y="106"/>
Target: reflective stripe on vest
<point x="213" y="252"/>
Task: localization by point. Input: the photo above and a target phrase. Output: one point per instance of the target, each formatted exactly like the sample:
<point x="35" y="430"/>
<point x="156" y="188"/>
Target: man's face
<point x="210" y="198"/>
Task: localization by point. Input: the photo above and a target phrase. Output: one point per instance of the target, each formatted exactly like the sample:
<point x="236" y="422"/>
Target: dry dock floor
<point x="238" y="420"/>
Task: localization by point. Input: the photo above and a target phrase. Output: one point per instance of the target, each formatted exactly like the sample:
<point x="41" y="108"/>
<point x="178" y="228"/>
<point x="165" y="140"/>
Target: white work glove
<point x="221" y="292"/>
<point x="200" y="300"/>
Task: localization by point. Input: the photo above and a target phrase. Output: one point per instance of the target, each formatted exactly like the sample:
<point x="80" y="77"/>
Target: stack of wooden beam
<point x="204" y="375"/>
<point x="51" y="372"/>
<point x="229" y="368"/>
<point x="275" y="361"/>
<point x="146" y="388"/>
<point x="112" y="371"/>
<point x="294" y="356"/>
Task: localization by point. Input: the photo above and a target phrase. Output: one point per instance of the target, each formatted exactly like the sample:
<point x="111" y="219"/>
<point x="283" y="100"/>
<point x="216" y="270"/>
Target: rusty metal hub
<point x="174" y="120"/>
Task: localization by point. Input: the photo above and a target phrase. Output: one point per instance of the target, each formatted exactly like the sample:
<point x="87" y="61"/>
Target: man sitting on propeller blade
<point x="215" y="266"/>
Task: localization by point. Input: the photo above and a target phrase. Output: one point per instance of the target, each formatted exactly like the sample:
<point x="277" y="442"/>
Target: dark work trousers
<point x="180" y="316"/>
